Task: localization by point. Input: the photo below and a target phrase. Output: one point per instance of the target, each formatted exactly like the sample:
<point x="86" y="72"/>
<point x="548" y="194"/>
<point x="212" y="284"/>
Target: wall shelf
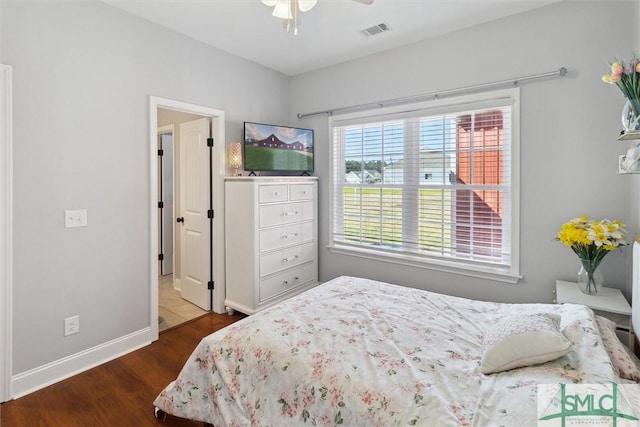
<point x="624" y="167"/>
<point x="628" y="136"/>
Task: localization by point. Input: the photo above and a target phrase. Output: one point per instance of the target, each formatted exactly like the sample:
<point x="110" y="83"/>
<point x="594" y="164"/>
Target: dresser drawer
<point x="302" y="192"/>
<point x="285" y="213"/>
<point x="286" y="258"/>
<point x="276" y="285"/>
<point x="288" y="235"/>
<point x="273" y="193"/>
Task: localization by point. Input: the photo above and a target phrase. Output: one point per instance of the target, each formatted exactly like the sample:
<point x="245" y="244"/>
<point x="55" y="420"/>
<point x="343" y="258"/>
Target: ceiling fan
<point x="289" y="10"/>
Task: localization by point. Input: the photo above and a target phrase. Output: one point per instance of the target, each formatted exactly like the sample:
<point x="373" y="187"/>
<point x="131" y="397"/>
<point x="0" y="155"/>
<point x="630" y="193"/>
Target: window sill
<point x="460" y="268"/>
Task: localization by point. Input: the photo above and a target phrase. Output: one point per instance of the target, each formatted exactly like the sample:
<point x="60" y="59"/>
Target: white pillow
<point x="523" y="340"/>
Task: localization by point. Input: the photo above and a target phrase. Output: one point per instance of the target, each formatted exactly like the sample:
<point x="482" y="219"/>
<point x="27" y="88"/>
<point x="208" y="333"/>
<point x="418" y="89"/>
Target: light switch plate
<point x="75" y="218"/>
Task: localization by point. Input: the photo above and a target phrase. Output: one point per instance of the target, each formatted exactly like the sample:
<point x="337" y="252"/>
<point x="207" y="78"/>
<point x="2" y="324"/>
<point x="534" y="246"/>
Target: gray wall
<point x="568" y="129"/>
<point x="83" y="73"/>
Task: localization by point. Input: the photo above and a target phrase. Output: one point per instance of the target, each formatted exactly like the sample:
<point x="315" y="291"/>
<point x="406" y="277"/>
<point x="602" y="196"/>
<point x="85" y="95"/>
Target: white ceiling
<point x="330" y="33"/>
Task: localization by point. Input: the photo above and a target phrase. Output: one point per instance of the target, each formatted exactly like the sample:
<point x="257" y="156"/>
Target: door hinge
<point x="210" y="285"/>
<point x="160" y="257"/>
<point x="161" y="205"/>
<point x="210" y="214"/>
<point x="161" y="152"/>
<point x="209" y="142"/>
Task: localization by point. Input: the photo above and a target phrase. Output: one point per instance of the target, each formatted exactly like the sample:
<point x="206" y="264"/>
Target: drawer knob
<point x="288" y="236"/>
<point x="290" y="258"/>
<point x="286" y="282"/>
<point x="290" y="213"/>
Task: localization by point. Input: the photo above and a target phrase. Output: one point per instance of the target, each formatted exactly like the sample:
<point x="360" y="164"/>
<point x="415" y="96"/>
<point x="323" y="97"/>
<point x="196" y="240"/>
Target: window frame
<point x="506" y="274"/>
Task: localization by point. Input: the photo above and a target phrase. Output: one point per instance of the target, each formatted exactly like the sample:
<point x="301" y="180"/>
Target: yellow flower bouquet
<point x="591" y="240"/>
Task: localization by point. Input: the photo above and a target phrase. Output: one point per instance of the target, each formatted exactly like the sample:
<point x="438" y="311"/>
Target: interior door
<point x="193" y="220"/>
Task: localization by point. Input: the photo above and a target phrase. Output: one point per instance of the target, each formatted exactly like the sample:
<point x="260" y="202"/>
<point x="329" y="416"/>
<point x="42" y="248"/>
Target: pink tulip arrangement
<point x="627" y="77"/>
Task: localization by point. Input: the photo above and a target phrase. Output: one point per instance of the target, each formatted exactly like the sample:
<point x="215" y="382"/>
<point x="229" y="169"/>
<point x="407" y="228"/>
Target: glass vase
<point x="631" y="116"/>
<point x="589" y="277"/>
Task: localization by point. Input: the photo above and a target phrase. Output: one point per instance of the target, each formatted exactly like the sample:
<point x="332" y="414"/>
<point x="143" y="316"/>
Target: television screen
<point x="277" y="148"/>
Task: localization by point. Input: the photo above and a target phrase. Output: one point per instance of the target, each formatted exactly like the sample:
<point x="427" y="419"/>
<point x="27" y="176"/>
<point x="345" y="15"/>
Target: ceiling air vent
<point x="376" y="29"/>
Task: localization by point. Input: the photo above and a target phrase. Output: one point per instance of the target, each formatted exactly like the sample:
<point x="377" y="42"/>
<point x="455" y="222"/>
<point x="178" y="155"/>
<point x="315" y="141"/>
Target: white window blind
<point x="430" y="185"/>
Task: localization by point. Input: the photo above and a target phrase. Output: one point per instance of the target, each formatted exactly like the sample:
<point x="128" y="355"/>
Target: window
<point x="434" y="186"/>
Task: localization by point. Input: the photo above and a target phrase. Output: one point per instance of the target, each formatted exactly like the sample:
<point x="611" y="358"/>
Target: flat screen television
<point x="277" y="148"/>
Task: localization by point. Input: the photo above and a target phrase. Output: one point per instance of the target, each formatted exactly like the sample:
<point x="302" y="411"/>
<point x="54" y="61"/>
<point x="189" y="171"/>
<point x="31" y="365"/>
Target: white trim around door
<point x="218" y="173"/>
<point x="6" y="231"/>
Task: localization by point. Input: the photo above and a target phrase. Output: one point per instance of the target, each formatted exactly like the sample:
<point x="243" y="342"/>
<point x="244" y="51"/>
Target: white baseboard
<point x="43" y="376"/>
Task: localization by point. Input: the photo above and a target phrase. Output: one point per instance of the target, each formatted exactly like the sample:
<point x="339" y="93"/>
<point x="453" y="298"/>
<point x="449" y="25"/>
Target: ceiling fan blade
<point x="367" y="2"/>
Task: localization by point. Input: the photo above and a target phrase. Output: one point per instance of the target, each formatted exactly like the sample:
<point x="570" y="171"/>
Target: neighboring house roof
<point x="368" y="175"/>
<point x="427" y="159"/>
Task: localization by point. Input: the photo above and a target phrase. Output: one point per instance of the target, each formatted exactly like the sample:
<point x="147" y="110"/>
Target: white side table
<point x="609" y="303"/>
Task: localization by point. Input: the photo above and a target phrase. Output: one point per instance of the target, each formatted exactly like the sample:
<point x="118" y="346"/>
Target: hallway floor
<point x="172" y="309"/>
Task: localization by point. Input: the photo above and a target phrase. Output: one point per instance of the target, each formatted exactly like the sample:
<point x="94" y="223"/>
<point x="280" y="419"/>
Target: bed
<point x="359" y="352"/>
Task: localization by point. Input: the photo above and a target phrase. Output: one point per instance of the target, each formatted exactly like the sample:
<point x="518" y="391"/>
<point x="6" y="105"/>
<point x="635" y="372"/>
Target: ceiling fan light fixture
<point x="289" y="10"/>
<point x="282" y="10"/>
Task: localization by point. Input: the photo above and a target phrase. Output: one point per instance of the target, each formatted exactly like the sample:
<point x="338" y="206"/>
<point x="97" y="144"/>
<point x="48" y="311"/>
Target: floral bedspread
<point x="358" y="352"/>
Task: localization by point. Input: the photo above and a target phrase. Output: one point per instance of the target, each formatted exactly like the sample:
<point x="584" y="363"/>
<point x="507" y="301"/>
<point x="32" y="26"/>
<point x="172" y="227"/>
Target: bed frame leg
<point x="160" y="414"/>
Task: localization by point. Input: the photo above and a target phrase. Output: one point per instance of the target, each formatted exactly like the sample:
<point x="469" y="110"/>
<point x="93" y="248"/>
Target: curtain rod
<point x="436" y="95"/>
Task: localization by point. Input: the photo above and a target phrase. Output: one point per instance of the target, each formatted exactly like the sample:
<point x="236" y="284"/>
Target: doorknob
<point x="181" y="219"/>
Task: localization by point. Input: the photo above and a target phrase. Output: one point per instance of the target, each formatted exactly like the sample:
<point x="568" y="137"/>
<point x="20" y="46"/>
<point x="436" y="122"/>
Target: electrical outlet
<point x="71" y="325"/>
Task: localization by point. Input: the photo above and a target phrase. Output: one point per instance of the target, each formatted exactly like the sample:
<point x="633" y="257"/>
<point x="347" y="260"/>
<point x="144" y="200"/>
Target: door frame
<point x="217" y="173"/>
<point x="6" y="232"/>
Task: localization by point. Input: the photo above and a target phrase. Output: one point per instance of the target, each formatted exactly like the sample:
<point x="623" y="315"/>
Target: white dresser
<point x="271" y="239"/>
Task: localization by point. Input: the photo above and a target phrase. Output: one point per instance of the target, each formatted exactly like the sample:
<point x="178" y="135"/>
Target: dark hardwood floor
<point x="120" y="392"/>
